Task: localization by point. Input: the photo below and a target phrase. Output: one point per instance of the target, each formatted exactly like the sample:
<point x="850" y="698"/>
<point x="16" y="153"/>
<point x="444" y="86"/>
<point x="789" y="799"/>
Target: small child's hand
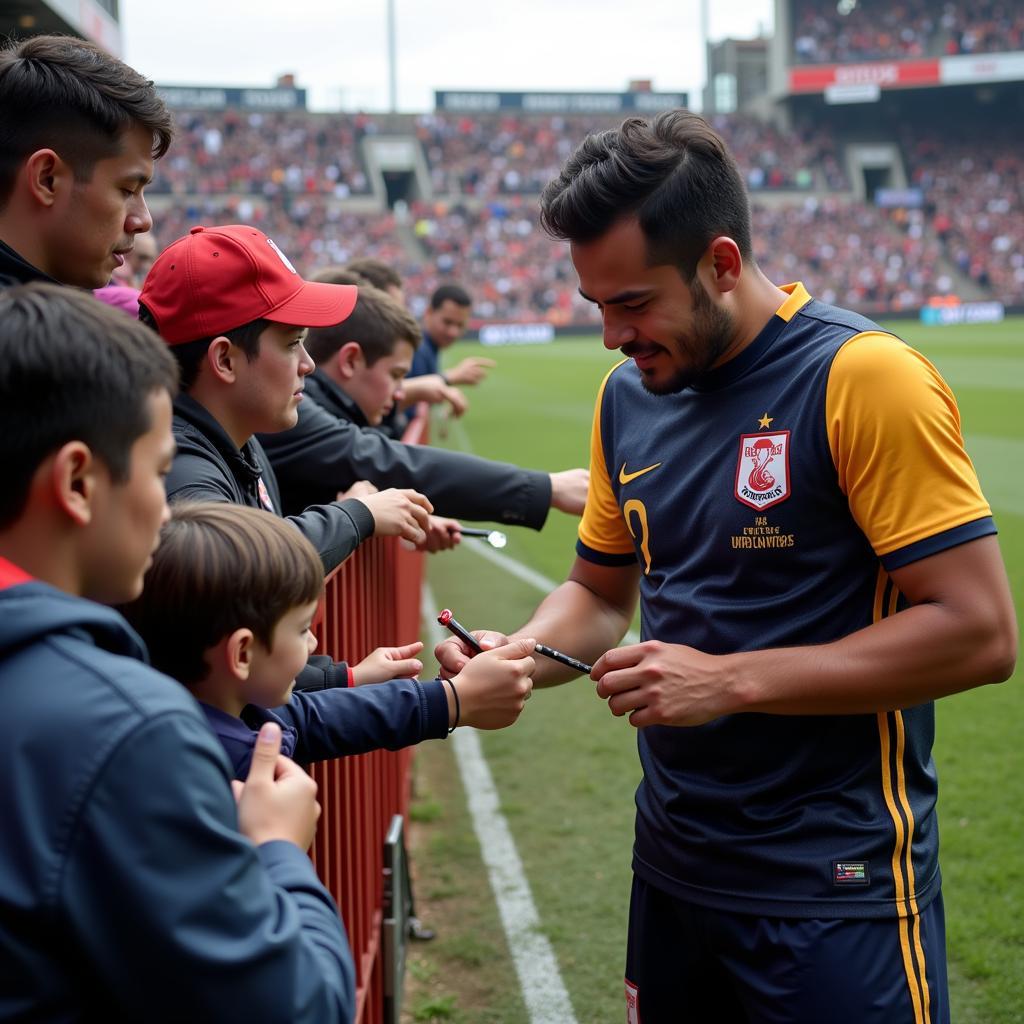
<point x="388" y="663"/>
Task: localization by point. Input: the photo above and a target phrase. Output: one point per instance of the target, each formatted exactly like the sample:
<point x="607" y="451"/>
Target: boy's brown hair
<point x="219" y="568"/>
<point x="377" y="324"/>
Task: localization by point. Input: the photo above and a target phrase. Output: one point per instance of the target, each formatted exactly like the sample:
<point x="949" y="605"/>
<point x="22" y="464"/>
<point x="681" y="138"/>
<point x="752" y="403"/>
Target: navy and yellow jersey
<point x="765" y="507"/>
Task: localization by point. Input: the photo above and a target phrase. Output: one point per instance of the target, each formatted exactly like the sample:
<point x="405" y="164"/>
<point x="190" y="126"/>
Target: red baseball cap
<point x="216" y="279"/>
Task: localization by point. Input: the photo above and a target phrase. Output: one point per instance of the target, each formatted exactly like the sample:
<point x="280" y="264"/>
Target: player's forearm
<point x="920" y="654"/>
<point x="575" y="620"/>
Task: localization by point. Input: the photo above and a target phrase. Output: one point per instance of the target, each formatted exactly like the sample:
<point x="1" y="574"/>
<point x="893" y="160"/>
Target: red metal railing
<point x="371" y="600"/>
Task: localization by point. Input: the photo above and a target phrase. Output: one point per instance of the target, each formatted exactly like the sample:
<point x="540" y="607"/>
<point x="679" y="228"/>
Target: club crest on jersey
<point x="762" y="472"/>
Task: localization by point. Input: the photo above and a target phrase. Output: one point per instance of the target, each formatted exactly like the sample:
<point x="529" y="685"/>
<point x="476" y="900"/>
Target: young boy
<point x="368" y="355"/>
<point x="226" y="610"/>
<point x="363" y="362"/>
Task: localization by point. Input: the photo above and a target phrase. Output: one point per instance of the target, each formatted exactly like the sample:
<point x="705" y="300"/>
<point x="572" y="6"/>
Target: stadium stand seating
<point x="305" y="179"/>
<point x="880" y="29"/>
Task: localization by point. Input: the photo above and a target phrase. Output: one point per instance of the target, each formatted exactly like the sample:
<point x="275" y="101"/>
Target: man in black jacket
<point x="81" y="133"/>
<point x="234" y="313"/>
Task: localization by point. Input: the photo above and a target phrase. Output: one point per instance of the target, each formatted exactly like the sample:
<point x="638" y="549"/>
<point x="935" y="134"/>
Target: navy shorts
<point x="687" y="964"/>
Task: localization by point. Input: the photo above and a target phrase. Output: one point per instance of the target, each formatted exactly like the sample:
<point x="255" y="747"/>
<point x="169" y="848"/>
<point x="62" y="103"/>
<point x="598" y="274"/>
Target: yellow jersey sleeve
<point x="602" y="528"/>
<point x="894" y="433"/>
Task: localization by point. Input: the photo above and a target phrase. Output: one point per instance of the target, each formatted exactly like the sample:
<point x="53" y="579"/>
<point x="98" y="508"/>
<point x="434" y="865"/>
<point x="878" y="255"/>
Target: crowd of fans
<point x="976" y="191"/>
<point x="847" y="251"/>
<point x="851" y="254"/>
<point x="829" y="33"/>
<point x="484" y="157"/>
<point x="291" y="153"/>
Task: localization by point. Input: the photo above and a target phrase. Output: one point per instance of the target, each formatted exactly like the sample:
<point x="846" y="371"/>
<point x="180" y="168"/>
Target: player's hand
<point x="278" y="799"/>
<point x="442" y="534"/>
<point x="399" y="513"/>
<point x="494" y="686"/>
<point x="569" y="490"/>
<point x="452" y="655"/>
<point x="388" y="663"/>
<point x="664" y="684"/>
<point x="471" y="370"/>
<point x="360" y="489"/>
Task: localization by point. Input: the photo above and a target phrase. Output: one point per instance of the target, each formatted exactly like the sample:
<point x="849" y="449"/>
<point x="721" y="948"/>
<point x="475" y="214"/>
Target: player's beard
<point x="707" y="341"/>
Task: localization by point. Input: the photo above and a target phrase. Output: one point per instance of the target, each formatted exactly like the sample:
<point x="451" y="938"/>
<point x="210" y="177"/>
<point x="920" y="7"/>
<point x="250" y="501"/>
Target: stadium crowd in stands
<point x="976" y="189"/>
<point x="907" y="29"/>
<point x="290" y="175"/>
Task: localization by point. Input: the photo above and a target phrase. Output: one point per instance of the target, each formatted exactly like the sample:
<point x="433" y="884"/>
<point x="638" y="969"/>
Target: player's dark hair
<point x="673" y="173"/>
<point x="71" y="96"/>
<point x="377" y="324"/>
<point x="219" y="568"/>
<point x="71" y="369"/>
<point x="450" y="293"/>
<point x="189" y="355"/>
<point x="380" y="274"/>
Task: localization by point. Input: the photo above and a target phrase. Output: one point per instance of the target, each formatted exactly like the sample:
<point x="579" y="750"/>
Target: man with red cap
<point x="234" y="312"/>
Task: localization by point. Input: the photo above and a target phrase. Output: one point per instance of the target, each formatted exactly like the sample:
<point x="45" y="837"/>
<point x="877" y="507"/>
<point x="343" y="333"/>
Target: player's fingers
<point x="617" y="658"/>
<point x="619" y="681"/>
<point x="642" y="717"/>
<point x="237" y="789"/>
<point x="620" y="704"/>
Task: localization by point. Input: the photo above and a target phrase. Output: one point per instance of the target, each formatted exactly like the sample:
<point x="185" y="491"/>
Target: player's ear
<point x="724" y="262"/>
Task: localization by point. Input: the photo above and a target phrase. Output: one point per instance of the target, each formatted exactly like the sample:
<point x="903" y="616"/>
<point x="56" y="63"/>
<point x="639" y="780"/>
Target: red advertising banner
<point x="893" y="74"/>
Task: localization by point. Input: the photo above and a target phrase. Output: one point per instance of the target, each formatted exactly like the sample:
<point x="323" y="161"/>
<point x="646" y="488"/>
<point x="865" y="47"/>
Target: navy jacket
<point x="127" y="892"/>
<point x="326" y="452"/>
<point x="335" y="723"/>
<point x="426" y="359"/>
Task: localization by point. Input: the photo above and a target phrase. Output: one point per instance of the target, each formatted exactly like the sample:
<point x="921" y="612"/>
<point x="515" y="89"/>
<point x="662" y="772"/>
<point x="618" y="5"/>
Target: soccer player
<point x="81" y="131"/>
<point x="787" y="486"/>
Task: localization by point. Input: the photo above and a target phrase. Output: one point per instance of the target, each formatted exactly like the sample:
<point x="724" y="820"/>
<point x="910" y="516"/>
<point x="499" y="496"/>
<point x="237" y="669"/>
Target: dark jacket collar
<point x="16" y="270"/>
<point x="242" y="462"/>
<point x="326" y="393"/>
<point x="238" y="735"/>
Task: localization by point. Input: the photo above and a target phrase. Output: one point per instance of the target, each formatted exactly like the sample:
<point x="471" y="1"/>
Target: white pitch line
<point x="544" y="992"/>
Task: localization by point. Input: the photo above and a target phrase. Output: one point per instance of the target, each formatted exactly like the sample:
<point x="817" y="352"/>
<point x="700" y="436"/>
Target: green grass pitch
<point x="567" y="771"/>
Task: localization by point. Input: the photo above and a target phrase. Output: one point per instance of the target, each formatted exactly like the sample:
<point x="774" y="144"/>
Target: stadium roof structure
<point x="96" y="20"/>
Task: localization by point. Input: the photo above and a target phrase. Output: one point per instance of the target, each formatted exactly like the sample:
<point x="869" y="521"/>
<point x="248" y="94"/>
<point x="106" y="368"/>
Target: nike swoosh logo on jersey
<point x="624" y="477"/>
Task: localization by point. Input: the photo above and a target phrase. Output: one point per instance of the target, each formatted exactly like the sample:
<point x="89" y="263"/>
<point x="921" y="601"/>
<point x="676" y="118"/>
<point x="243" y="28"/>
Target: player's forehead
<point x="613" y="267"/>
